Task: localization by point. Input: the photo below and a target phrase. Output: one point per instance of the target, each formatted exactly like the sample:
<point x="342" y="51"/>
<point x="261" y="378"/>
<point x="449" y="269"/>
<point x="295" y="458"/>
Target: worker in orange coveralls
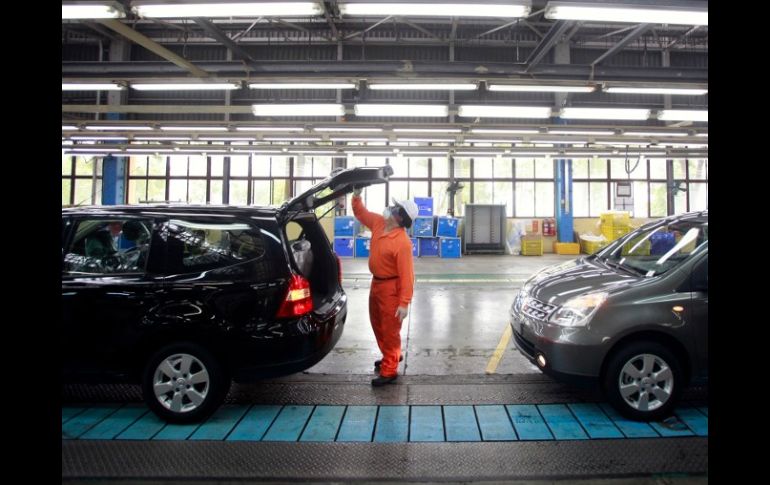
<point x="392" y="267"/>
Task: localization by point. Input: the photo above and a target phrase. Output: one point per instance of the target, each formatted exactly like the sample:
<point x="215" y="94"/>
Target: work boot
<point x="378" y="363"/>
<point x="381" y="380"/>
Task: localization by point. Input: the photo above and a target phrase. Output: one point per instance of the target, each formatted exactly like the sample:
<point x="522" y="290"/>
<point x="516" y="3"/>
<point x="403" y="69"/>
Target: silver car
<point x="632" y="317"/>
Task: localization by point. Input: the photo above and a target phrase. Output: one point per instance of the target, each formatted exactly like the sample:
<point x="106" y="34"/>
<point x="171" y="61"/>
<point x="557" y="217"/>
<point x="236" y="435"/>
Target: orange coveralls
<point x="392" y="265"/>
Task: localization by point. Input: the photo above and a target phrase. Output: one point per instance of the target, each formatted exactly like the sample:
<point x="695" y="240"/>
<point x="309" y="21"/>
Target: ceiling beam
<point x="632" y="36"/>
<point x="552" y="37"/>
<point x="153" y="46"/>
<point x="216" y="32"/>
<point x="684" y="36"/>
<point x="421" y="29"/>
<point x="424" y="69"/>
<point x="362" y="32"/>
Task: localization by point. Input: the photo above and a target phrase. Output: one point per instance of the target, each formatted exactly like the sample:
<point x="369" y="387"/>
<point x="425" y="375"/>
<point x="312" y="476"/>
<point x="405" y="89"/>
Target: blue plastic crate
<point x="415" y="253"/>
<point x="362" y="247"/>
<point x="447" y="226"/>
<point x="424" y="206"/>
<point x="450" y="247"/>
<point x="429" y="247"/>
<point x="344" y="226"/>
<point x="661" y="242"/>
<point x="423" y="227"/>
<point x="344" y="246"/>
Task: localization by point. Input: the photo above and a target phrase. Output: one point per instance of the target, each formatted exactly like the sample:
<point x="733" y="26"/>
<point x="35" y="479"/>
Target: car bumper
<point x="571" y="354"/>
<point x="304" y="343"/>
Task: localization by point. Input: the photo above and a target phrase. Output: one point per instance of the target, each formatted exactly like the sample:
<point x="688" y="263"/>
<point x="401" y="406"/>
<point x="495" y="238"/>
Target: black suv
<point x="182" y="299"/>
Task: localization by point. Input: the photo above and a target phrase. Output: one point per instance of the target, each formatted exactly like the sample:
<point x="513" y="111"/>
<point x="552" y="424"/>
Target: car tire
<point x="643" y="381"/>
<point x="184" y="383"/>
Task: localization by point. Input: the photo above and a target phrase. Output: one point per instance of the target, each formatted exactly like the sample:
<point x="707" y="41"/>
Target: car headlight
<point x="577" y="312"/>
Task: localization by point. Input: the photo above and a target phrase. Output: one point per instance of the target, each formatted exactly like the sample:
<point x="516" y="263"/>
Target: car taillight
<point x="298" y="301"/>
<point x="339" y="269"/>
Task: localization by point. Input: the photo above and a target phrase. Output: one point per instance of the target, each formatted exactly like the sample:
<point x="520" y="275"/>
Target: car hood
<point x="557" y="284"/>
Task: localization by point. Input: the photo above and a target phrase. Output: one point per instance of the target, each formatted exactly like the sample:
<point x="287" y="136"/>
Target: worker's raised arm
<point x="369" y="219"/>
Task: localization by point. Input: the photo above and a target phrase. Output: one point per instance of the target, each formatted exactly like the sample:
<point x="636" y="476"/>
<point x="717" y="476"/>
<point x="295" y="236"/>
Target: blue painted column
<point x="563" y="203"/>
<point x="114" y="175"/>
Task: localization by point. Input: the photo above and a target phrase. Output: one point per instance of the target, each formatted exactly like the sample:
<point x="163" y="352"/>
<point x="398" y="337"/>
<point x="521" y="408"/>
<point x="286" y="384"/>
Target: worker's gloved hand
<point x="357" y="191"/>
<point x="402" y="312"/>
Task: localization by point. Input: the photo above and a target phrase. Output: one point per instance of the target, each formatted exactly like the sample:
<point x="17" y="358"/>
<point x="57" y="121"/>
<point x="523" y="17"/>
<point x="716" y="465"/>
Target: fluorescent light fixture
<point x="561" y="142"/>
<point x="484" y="111"/>
<point x="424" y="154"/>
<point x="185" y="86"/>
<point x="683" y="115"/>
<point x="421" y="153"/>
<point x="193" y="128"/>
<point x="616" y="143"/>
<point x="90" y="150"/>
<point x="161" y="138"/>
<point x="373" y="153"/>
<point x="293" y="109"/>
<point x="91" y="87"/>
<point x="269" y="128"/>
<point x="496" y="131"/>
<point x="68" y="127"/>
<point x="350" y="130"/>
<point x="91" y="10"/>
<point x="257" y="152"/>
<point x="501" y="9"/>
<point x="146" y="150"/>
<point x="540" y="88"/>
<point x="586" y="154"/>
<point x="685" y="144"/>
<point x="654" y="133"/>
<point x="228" y="138"/>
<point x="675" y="91"/>
<point x="703" y="135"/>
<point x="99" y="138"/>
<point x="423" y="86"/>
<point x="119" y="127"/>
<point x="633" y="13"/>
<point x="581" y="132"/>
<point x="481" y="140"/>
<point x="477" y="154"/>
<point x="417" y="110"/>
<point x="427" y="130"/>
<point x="605" y="114"/>
<point x="531" y="154"/>
<point x="296" y="138"/>
<point x="314" y="152"/>
<point x="191" y="9"/>
<point x="427" y="140"/>
<point x="302" y="86"/>
<point x="362" y="140"/>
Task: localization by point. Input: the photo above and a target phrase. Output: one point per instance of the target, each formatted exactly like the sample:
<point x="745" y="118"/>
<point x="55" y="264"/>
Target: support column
<point x="114" y="168"/>
<point x="563" y="202"/>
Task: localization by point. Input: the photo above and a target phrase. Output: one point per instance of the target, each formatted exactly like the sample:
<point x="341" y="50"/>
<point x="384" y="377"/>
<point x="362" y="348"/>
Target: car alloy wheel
<point x="181" y="383"/>
<point x="646" y="382"/>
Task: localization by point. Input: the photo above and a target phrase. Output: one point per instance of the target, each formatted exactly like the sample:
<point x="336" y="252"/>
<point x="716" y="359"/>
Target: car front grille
<point x="537" y="309"/>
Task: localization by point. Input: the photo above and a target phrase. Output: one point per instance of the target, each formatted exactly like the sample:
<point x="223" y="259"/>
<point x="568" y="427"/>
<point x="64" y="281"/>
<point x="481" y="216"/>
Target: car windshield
<point x="659" y="247"/>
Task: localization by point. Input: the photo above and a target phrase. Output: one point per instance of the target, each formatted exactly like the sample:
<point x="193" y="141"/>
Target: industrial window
<point x="81" y="180"/>
<point x="595" y="182"/>
<point x="690" y="185"/>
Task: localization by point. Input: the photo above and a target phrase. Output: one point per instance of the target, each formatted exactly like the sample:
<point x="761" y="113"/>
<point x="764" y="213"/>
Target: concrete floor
<point x="457" y="317"/>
